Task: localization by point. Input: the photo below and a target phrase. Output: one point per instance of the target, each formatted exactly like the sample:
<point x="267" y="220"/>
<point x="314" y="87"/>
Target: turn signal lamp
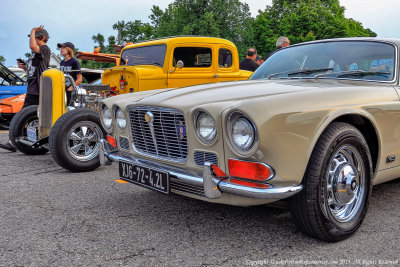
<point x="250" y="170"/>
<point x="111" y="141"/>
<point x="217" y="171"/>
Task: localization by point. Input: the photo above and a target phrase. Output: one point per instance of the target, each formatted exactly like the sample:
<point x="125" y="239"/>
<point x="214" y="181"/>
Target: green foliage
<point x="2" y="59"/>
<point x="134" y="31"/>
<point x="304" y="20"/>
<point x="229" y="19"/>
<point x="299" y="20"/>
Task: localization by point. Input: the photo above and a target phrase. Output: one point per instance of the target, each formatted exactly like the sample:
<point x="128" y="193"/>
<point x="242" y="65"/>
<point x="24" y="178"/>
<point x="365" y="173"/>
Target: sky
<point x="78" y="20"/>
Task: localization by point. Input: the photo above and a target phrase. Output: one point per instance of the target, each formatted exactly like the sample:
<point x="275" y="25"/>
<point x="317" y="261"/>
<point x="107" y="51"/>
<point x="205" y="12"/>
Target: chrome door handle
<point x="216" y="75"/>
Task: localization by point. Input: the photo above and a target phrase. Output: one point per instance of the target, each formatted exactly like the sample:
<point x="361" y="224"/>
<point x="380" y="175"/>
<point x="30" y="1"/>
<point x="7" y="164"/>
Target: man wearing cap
<point x="249" y="62"/>
<point x="69" y="65"/>
<point x="37" y="63"/>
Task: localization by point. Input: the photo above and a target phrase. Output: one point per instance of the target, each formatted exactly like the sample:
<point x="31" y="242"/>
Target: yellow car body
<point x="138" y="77"/>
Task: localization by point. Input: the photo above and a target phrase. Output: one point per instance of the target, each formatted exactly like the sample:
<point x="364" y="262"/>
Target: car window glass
<point x="224" y="58"/>
<point x="193" y="57"/>
<point x="145" y="55"/>
<point x="338" y="58"/>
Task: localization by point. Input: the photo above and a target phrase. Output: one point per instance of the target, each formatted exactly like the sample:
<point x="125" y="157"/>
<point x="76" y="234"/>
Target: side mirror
<point x="179" y="64"/>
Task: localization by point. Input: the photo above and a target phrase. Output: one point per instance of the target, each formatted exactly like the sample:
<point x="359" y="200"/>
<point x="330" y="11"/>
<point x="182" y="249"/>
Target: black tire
<point x="319" y="208"/>
<point x="18" y="126"/>
<point x="61" y="145"/>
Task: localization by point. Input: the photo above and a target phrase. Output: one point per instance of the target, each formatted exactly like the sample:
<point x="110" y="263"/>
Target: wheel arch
<point x="361" y="121"/>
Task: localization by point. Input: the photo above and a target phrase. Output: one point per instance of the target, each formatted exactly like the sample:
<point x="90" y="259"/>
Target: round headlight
<point x="205" y="127"/>
<point x="106" y="118"/>
<point x="120" y="119"/>
<point x="241" y="132"/>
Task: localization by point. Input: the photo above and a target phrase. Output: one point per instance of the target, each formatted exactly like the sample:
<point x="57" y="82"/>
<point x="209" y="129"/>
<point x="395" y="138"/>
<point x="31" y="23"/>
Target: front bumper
<point x="212" y="187"/>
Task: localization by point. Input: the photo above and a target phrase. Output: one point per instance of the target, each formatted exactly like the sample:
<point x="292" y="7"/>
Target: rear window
<point x="193" y="57"/>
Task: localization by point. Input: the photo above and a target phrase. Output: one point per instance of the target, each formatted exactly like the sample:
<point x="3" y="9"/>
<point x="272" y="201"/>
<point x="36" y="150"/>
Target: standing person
<point x="249" y="62"/>
<point x="37" y="63"/>
<point x="282" y="42"/>
<point x="69" y="65"/>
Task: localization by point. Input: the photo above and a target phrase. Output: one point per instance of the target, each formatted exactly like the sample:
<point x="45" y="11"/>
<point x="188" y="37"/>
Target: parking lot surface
<point x="50" y="216"/>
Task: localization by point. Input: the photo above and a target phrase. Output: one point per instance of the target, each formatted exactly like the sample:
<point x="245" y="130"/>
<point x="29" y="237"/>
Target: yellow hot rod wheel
<point x="74" y="140"/>
<point x="336" y="186"/>
<point x="24" y="120"/>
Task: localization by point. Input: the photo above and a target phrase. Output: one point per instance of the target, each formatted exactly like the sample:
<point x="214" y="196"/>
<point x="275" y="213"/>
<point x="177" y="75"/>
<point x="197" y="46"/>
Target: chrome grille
<point x="123" y="143"/>
<point x="201" y="157"/>
<point x="167" y="143"/>
<point x="186" y="188"/>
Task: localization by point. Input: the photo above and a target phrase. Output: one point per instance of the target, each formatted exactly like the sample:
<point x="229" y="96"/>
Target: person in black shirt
<point x="37" y="63"/>
<point x="69" y="65"/>
<point x="249" y="62"/>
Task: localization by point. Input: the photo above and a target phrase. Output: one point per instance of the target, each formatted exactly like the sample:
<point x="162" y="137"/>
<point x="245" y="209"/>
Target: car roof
<point x="374" y="39"/>
<point x="182" y="39"/>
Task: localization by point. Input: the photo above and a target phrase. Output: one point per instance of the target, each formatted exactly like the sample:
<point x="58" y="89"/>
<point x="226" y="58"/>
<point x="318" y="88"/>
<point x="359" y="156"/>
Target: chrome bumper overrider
<point x="205" y="180"/>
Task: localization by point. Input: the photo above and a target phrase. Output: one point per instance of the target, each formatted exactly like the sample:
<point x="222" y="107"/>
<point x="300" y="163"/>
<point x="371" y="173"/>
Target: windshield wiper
<point x="352" y="73"/>
<point x="299" y="71"/>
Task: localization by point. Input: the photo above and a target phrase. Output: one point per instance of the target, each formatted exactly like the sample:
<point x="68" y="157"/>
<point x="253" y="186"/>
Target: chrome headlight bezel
<point x="119" y="116"/>
<point x="197" y="119"/>
<point x="233" y="118"/>
<point x="105" y="113"/>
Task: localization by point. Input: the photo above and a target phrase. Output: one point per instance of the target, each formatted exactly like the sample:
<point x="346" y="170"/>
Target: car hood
<point x="232" y="93"/>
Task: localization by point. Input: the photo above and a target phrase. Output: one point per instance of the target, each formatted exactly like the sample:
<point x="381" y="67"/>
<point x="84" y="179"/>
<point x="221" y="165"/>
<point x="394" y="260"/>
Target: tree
<point x="134" y="31"/>
<point x="229" y="19"/>
<point x="304" y="20"/>
<point x="2" y="59"/>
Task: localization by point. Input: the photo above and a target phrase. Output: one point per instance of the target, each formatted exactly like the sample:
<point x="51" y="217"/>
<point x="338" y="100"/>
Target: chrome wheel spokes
<point x="82" y="140"/>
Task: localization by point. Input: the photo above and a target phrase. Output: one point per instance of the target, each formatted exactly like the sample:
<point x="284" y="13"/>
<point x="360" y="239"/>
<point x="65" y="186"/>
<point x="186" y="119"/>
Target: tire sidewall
<point x="353" y="138"/>
<point x="59" y="138"/>
<point x="17" y="126"/>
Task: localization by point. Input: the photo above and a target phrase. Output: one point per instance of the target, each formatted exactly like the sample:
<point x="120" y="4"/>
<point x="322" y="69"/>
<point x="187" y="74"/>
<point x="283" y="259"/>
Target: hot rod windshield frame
<point x="144" y="55"/>
<point x="334" y="59"/>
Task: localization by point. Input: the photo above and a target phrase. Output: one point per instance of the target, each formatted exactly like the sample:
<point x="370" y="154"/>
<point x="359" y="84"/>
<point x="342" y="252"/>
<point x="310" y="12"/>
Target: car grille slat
<point x="201" y="157"/>
<point x="168" y="143"/>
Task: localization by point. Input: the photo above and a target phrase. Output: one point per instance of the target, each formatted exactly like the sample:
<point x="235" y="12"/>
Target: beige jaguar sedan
<point x="317" y="125"/>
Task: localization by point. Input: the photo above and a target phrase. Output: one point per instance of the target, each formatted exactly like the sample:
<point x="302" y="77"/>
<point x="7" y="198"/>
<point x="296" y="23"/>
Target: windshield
<point x="364" y="60"/>
<point x="145" y="55"/>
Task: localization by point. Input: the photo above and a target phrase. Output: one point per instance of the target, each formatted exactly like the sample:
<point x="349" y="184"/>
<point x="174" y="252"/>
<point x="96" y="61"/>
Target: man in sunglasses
<point x="37" y="63"/>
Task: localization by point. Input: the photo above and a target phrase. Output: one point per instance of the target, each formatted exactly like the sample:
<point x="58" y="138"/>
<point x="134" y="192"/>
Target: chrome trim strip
<point x="205" y="180"/>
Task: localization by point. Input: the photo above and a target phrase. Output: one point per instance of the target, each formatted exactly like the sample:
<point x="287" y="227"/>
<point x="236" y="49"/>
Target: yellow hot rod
<point x="72" y="133"/>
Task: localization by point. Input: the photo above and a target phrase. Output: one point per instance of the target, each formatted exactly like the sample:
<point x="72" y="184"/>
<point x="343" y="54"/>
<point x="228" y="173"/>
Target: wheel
<point x="336" y="186"/>
<point x="26" y="117"/>
<point x="74" y="140"/>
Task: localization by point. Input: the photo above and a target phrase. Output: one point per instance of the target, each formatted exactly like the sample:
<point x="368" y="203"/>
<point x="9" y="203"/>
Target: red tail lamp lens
<point x="111" y="140"/>
<point x="217" y="171"/>
<point x="249" y="170"/>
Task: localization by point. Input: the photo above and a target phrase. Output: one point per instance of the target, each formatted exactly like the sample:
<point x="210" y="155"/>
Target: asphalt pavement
<point x="51" y="217"/>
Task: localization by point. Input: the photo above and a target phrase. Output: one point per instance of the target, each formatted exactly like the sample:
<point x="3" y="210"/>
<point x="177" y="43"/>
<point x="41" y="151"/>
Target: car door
<point x="198" y="65"/>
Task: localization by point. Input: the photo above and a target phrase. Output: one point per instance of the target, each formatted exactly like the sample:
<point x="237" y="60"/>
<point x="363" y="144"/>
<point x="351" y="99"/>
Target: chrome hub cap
<point x="83" y="140"/>
<point x="344" y="188"/>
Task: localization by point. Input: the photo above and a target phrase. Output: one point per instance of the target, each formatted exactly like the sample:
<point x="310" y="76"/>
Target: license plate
<point x="153" y="179"/>
<point x="31" y="134"/>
